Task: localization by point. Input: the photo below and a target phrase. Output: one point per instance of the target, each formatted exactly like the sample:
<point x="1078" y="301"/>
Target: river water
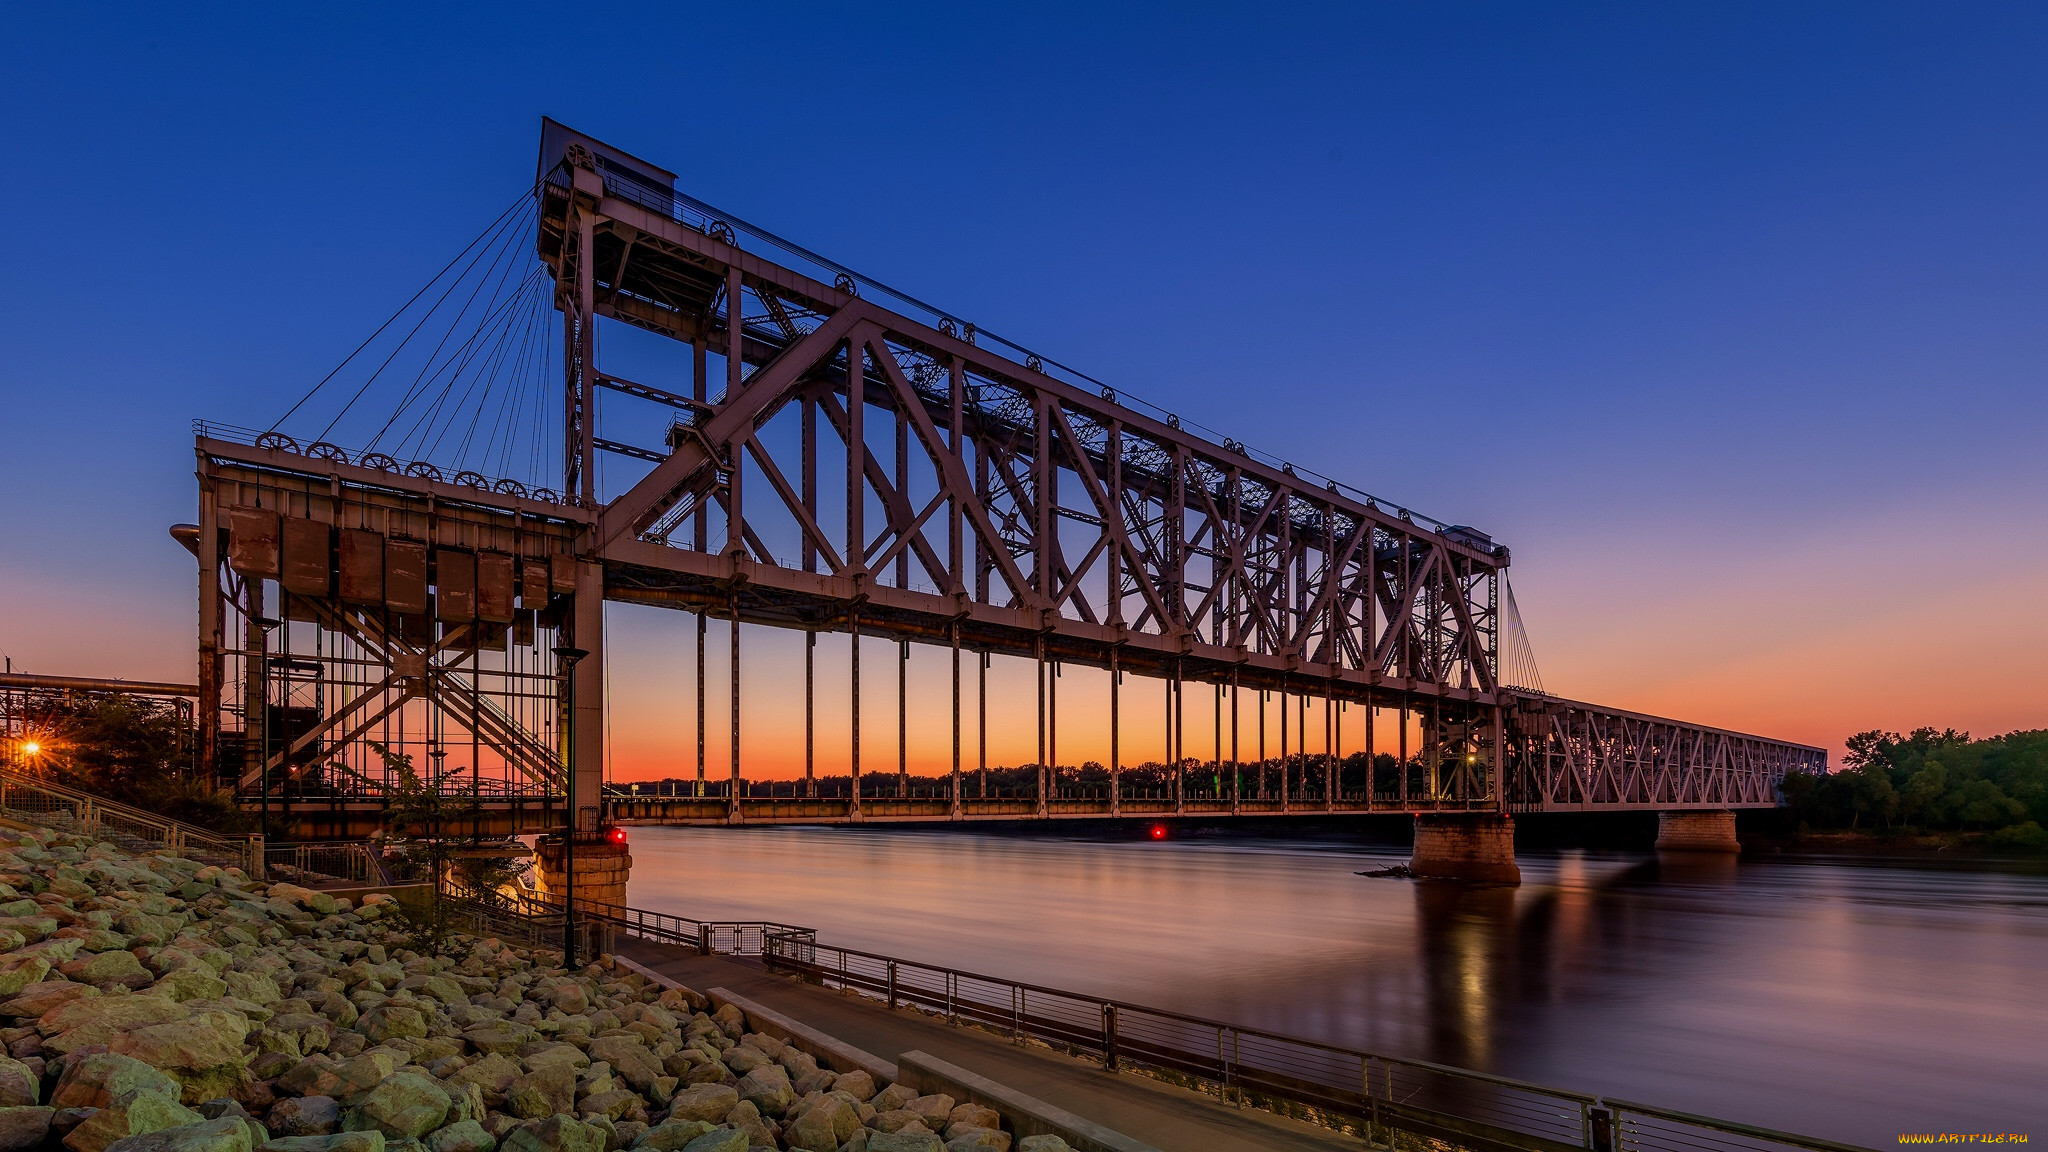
<point x="1847" y="999"/>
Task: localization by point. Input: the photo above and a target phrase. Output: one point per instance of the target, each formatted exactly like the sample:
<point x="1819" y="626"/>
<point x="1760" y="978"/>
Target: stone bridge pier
<point x="1466" y="846"/>
<point x="602" y="865"/>
<point x="1695" y="830"/>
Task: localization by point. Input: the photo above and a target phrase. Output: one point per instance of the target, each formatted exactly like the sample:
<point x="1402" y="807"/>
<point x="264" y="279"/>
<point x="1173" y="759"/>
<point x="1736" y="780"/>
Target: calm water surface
<point x="1842" y="999"/>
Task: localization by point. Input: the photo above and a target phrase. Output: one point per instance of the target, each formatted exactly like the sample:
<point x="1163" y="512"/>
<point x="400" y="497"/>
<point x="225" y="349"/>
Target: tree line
<point x="1932" y="781"/>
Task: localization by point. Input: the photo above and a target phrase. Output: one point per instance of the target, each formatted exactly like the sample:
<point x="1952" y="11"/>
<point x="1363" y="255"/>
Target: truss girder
<point x="1568" y="756"/>
<point x="1011" y="491"/>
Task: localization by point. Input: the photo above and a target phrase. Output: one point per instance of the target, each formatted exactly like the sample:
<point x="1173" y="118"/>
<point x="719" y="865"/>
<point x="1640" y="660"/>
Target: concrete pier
<point x="1466" y="846"/>
<point x="1712" y="830"/>
<point x="602" y="868"/>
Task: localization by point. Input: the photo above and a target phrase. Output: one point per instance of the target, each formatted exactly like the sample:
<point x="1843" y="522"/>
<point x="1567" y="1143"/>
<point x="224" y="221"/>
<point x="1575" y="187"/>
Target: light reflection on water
<point x="1848" y="1000"/>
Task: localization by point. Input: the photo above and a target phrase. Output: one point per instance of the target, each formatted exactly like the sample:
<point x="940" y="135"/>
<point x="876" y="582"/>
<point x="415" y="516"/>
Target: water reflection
<point x="1846" y="1000"/>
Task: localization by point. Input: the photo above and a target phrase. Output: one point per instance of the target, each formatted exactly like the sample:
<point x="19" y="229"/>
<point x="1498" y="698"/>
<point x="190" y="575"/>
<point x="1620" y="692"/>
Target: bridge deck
<point x="1144" y="1109"/>
<point x="839" y="810"/>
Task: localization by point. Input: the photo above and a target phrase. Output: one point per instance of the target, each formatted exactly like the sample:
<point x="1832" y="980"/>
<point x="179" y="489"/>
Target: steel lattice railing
<point x="36" y="796"/>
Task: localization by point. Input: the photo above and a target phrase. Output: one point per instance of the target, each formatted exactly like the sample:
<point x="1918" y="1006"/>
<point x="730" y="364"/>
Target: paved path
<point x="1168" y="1118"/>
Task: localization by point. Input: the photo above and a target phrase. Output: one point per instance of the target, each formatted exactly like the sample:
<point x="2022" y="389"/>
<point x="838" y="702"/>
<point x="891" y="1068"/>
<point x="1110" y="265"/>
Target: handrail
<point x="1340" y="1087"/>
<point x="93" y="811"/>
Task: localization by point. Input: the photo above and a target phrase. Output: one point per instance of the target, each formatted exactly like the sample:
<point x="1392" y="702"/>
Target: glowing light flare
<point x="31" y="748"/>
<point x="1159" y="831"/>
<point x="618" y="835"/>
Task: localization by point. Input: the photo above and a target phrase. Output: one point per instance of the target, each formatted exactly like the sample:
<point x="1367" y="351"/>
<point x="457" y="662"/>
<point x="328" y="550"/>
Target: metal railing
<point x="1347" y="1089"/>
<point x="708" y="937"/>
<point x="34" y="796"/>
<point x="351" y="860"/>
<point x="1344" y="1088"/>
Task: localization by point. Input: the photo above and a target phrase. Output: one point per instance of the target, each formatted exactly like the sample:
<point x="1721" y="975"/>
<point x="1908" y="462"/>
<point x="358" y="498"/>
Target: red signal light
<point x="618" y="835"/>
<point x="1159" y="831"/>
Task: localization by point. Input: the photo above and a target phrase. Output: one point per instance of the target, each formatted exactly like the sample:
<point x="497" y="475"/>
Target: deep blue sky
<point x="1729" y="318"/>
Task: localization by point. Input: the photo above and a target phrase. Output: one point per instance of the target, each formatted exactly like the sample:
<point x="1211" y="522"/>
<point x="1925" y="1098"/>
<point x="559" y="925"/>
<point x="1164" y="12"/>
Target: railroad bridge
<point x="838" y="458"/>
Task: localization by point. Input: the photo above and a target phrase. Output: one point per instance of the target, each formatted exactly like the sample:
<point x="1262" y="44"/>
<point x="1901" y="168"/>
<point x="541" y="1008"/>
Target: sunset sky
<point x="1728" y="319"/>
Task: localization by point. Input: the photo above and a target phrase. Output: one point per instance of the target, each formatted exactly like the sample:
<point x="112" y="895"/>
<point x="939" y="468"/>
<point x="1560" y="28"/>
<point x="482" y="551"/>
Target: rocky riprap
<point x="159" y="1004"/>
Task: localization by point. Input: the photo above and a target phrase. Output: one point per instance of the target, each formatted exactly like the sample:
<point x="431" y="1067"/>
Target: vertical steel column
<point x="1038" y="652"/>
<point x="1286" y="769"/>
<point x="256" y="692"/>
<point x="1262" y="743"/>
<point x="1052" y="729"/>
<point x="810" y="714"/>
<point x="1180" y="748"/>
<point x="982" y="726"/>
<point x="1116" y="755"/>
<point x="733" y="802"/>
<point x="1500" y="757"/>
<point x="956" y="711"/>
<point x="586" y="356"/>
<point x="1333" y="740"/>
<point x="212" y="665"/>
<point x="1403" y="794"/>
<point x="853" y="658"/>
<point x="735" y="336"/>
<point x="956" y="389"/>
<point x="701" y="627"/>
<point x="1372" y="753"/>
<point x="1236" y="763"/>
<point x="903" y="720"/>
<point x="1216" y="741"/>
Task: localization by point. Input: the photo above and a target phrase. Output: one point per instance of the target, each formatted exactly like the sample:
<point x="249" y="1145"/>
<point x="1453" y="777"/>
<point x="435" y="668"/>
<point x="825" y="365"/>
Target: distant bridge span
<point x="844" y="459"/>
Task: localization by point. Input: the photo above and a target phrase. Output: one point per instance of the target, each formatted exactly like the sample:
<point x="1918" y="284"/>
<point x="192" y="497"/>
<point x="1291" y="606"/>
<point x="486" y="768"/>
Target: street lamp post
<point x="568" y="657"/>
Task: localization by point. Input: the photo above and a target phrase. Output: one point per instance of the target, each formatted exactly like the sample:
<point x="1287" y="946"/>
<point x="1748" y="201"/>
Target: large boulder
<point x="135" y="1114"/>
<point x="719" y="1140"/>
<point x="98" y="1079"/>
<point x="39" y="1000"/>
<point x="671" y="1134"/>
<point x="462" y="1136"/>
<point x="227" y="1134"/>
<point x="554" y="1134"/>
<point x="20" y="1086"/>
<point x="99" y="1020"/>
<point x="196" y="983"/>
<point x="824" y="1126"/>
<point x="371" y="1141"/>
<point x="967" y="1138"/>
<point x="768" y="1089"/>
<point x="494" y="1073"/>
<point x="708" y="1102"/>
<point x="107" y="969"/>
<point x="905" y="1142"/>
<point x="500" y="1036"/>
<point x="858" y="1085"/>
<point x="541" y="1094"/>
<point x="407" y="1105"/>
<point x="24" y="1129"/>
<point x="203" y="1052"/>
<point x="17" y="973"/>
<point x="935" y="1110"/>
<point x="305" y="1116"/>
<point x="629" y="1058"/>
<point x="974" y="1116"/>
<point x="388" y="1021"/>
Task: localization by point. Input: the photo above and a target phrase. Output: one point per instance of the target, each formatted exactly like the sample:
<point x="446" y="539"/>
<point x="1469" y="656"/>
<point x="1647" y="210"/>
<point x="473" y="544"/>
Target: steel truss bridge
<point x="844" y="459"/>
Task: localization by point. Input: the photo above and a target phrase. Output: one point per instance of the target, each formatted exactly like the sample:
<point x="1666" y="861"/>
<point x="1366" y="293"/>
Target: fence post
<point x="703" y="939"/>
<point x="1600" y="1129"/>
<point x="892" y="983"/>
<point x="1109" y="1037"/>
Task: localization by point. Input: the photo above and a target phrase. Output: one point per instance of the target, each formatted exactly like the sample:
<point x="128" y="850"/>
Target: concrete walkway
<point x="1168" y="1118"/>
